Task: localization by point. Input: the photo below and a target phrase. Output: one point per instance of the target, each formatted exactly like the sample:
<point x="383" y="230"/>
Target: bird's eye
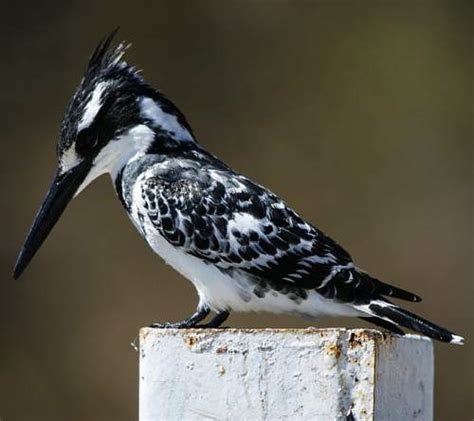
<point x="86" y="140"/>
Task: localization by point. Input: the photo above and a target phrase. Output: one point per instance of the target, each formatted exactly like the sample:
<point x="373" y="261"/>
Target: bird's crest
<point x="104" y="57"/>
<point x="105" y="70"/>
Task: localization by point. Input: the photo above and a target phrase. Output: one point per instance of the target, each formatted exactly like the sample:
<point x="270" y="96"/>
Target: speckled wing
<point x="227" y="220"/>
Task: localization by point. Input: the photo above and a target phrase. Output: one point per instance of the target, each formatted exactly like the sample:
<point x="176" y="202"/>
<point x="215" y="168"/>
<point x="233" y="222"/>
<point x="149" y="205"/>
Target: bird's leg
<point x="216" y="321"/>
<point x="191" y="321"/>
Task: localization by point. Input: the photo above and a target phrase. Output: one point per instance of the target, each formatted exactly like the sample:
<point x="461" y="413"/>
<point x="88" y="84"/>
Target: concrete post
<point x="284" y="374"/>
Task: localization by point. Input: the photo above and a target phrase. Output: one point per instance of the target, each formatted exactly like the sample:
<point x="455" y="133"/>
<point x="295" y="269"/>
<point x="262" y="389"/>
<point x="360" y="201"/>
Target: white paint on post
<point x="284" y="374"/>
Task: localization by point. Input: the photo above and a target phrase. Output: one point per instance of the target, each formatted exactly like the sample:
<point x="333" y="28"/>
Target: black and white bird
<point x="242" y="247"/>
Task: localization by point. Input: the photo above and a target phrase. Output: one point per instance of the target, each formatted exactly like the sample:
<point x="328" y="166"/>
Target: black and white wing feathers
<point x="227" y="220"/>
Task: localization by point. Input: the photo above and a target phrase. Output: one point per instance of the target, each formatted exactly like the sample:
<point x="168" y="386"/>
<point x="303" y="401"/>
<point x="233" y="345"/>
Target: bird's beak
<point x="60" y="193"/>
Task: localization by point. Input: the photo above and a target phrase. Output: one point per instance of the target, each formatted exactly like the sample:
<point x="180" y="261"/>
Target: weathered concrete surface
<point x="284" y="374"/>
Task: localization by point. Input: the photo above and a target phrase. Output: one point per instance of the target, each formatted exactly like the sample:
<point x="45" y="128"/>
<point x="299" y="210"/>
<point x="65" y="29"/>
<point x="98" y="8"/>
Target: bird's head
<point x="113" y="116"/>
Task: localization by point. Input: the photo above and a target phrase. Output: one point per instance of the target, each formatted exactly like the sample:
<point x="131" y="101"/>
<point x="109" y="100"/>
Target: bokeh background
<point x="358" y="113"/>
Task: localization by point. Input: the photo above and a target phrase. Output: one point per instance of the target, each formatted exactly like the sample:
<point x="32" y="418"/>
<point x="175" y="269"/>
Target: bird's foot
<point x="216" y="322"/>
<point x="168" y="325"/>
<point x="193" y="321"/>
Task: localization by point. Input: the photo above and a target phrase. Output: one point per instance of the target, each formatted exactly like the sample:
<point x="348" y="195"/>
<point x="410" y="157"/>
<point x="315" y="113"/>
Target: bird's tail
<point x="394" y="315"/>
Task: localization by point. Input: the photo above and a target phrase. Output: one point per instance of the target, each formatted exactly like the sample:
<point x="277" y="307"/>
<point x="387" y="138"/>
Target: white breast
<point x="226" y="290"/>
<point x="221" y="291"/>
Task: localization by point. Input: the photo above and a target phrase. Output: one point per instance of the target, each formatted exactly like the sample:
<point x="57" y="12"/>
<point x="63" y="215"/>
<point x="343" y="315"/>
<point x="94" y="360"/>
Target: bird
<point x="242" y="246"/>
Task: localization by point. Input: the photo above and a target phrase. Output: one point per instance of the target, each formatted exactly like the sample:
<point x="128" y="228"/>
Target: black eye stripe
<point x="86" y="134"/>
<point x="86" y="140"/>
<point x="88" y="137"/>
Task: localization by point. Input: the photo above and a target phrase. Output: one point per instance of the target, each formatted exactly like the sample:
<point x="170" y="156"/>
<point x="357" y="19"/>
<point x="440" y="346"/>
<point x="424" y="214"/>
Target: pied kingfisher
<point x="242" y="247"/>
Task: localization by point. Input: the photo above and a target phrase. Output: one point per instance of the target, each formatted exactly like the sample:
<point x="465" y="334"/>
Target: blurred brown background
<point x="359" y="114"/>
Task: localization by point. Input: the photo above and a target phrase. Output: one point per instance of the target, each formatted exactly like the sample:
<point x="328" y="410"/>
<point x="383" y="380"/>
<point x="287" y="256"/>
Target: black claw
<point x="167" y="325"/>
<point x="191" y="321"/>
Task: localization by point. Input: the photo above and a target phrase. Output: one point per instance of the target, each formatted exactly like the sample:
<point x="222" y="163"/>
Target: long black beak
<point x="62" y="190"/>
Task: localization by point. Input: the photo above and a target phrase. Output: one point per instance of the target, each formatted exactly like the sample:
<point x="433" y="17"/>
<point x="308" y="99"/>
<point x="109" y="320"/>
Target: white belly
<point x="224" y="291"/>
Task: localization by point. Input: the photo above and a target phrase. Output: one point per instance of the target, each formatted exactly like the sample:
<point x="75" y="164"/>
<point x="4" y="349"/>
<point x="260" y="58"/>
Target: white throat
<point x="118" y="152"/>
<point x="130" y="145"/>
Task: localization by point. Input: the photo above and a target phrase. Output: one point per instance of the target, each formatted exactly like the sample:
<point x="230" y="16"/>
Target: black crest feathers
<point x="104" y="64"/>
<point x="104" y="56"/>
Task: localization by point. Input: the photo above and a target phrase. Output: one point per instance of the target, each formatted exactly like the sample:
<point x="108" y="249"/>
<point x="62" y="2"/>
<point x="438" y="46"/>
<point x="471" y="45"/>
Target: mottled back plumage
<point x="242" y="247"/>
<point x="227" y="220"/>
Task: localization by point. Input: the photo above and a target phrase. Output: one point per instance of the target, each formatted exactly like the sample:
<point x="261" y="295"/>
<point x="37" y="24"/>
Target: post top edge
<point x="359" y="333"/>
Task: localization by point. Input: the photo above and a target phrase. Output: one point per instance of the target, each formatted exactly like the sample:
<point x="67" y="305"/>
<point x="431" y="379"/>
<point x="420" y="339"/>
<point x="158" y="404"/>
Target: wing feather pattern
<point x="227" y="220"/>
